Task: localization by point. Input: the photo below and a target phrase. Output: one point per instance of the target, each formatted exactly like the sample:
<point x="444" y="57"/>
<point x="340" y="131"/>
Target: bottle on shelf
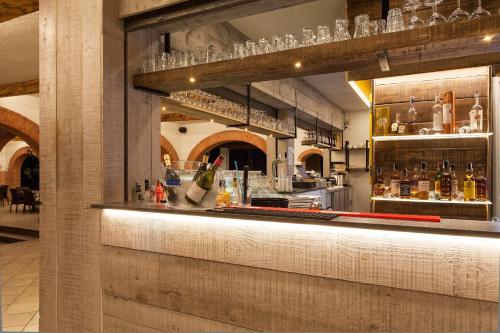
<point x="446" y="181"/>
<point x="414" y="182"/>
<point x="481" y="185"/>
<point x="395" y="124"/>
<point x="395" y="181"/>
<point x="172" y="179"/>
<point x="203" y="167"/>
<point x="158" y="191"/>
<point x="476" y="116"/>
<point x="469" y="184"/>
<point x="449" y="112"/>
<point x="236" y="192"/>
<point x="203" y="184"/>
<point x="405" y="187"/>
<point x="223" y="197"/>
<point x="423" y="182"/>
<point x="148" y="191"/>
<point x="412" y="112"/>
<point x="437" y="179"/>
<point x="454" y="182"/>
<point x="379" y="185"/>
<point x="382" y="121"/>
<point x="437" y="115"/>
<point x="138" y="192"/>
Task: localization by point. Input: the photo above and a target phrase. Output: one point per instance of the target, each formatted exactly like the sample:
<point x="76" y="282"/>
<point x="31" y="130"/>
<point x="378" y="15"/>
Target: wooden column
<point x="81" y="153"/>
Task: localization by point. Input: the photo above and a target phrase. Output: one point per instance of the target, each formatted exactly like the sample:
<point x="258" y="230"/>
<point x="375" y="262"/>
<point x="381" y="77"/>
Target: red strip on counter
<point x="402" y="217"/>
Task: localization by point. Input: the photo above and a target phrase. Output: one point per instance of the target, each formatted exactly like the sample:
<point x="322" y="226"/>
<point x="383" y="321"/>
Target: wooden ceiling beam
<point x="19" y="88"/>
<point x="173" y="117"/>
<point x="10" y="9"/>
<point x="188" y="14"/>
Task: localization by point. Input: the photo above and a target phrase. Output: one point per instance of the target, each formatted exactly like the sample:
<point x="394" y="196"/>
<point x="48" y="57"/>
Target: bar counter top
<point x="445" y="226"/>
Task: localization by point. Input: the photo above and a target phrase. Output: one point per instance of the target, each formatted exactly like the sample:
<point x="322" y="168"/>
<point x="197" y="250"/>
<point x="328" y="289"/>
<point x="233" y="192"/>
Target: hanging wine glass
<point x="415" y="21"/>
<point x="458" y="14"/>
<point x="435" y="18"/>
<point x="479" y="12"/>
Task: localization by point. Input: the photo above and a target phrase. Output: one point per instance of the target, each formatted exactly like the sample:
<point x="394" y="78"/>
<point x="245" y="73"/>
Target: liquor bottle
<point x="414" y="183"/>
<point x="138" y="192"/>
<point x="203" y="184"/>
<point x="158" y="191"/>
<point x="171" y="177"/>
<point x="395" y="181"/>
<point x="476" y="116"/>
<point x="236" y="193"/>
<point x="437" y="180"/>
<point x="437" y="115"/>
<point x="469" y="184"/>
<point x="223" y="198"/>
<point x="203" y="167"/>
<point x="379" y="185"/>
<point x="446" y="181"/>
<point x="405" y="187"/>
<point x="148" y="191"/>
<point x="481" y="185"/>
<point x="412" y="113"/>
<point x="395" y="124"/>
<point x="423" y="182"/>
<point x="449" y="113"/>
<point x="454" y="182"/>
<point x="382" y="120"/>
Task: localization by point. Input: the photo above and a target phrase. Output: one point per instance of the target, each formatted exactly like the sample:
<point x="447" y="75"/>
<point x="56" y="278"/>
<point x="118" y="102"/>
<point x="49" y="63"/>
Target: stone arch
<point x="18" y="125"/>
<point x="306" y="153"/>
<point x="16" y="161"/>
<point x="217" y="139"/>
<point x="167" y="148"/>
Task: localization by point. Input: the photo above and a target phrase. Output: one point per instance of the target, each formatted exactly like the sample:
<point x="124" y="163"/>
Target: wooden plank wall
<point x="174" y="272"/>
<point x="81" y="134"/>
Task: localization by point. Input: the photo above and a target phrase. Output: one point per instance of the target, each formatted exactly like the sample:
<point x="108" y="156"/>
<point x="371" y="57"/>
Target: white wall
<point x="356" y="134"/>
<point x="8" y="151"/>
<point x="184" y="143"/>
<point x="27" y="105"/>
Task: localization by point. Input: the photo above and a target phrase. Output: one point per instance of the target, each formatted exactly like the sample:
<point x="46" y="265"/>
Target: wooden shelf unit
<point x="409" y="150"/>
<point x="441" y="42"/>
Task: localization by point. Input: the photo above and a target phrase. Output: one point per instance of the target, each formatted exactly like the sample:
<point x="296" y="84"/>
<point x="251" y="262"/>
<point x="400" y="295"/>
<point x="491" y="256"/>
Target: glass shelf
<point x="431" y="137"/>
<point x="443" y="202"/>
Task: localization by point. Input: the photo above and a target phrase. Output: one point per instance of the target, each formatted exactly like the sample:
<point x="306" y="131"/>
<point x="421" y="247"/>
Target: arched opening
<point x="242" y="153"/>
<point x="18" y="125"/>
<point x="314" y="162"/>
<point x="30" y="172"/>
<point x="15" y="166"/>
<point x="167" y="148"/>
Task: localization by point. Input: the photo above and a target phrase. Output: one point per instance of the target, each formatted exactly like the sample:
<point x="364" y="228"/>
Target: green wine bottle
<point x="203" y="167"/>
<point x="203" y="184"/>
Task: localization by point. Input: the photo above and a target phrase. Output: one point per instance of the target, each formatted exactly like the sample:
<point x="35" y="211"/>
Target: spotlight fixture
<point x="488" y="38"/>
<point x="192" y="79"/>
<point x="298" y="64"/>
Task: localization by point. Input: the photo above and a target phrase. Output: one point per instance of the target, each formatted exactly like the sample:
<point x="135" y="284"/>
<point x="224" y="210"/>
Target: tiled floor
<point x="18" y="220"/>
<point x="19" y="265"/>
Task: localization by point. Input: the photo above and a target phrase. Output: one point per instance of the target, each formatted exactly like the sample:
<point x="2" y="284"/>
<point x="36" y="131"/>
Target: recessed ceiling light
<point x="192" y="79"/>
<point x="163" y="108"/>
<point x="298" y="64"/>
<point x="211" y="120"/>
<point x="246" y="129"/>
<point x="487" y="38"/>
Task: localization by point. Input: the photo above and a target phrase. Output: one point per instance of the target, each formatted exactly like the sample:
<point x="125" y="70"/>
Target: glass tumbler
<point x="278" y="43"/>
<point x="264" y="46"/>
<point x="395" y="20"/>
<point x="323" y="34"/>
<point x="308" y="37"/>
<point x="239" y="50"/>
<point x="362" y="26"/>
<point x="341" y="32"/>
<point x="291" y="41"/>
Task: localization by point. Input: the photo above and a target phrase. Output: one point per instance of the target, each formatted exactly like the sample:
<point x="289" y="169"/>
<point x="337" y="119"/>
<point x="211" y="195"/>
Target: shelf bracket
<point x="383" y="61"/>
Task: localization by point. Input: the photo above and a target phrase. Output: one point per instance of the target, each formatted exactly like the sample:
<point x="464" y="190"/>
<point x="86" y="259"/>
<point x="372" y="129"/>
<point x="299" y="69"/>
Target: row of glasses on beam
<point x="214" y="104"/>
<point x="363" y="28"/>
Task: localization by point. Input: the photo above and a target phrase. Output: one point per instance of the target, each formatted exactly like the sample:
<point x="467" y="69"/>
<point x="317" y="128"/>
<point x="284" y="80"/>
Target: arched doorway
<point x="243" y="154"/>
<point x="312" y="159"/>
<point x="18" y="125"/>
<point x="30" y="172"/>
<point x="15" y="166"/>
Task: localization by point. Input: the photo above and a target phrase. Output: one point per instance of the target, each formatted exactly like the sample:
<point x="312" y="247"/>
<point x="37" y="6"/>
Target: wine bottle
<point x="203" y="167"/>
<point x="469" y="184"/>
<point x="172" y="180"/>
<point x="203" y="184"/>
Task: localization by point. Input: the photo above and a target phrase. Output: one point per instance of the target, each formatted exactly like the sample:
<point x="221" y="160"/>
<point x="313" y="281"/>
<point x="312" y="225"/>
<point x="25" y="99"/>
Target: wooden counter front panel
<point x="243" y="297"/>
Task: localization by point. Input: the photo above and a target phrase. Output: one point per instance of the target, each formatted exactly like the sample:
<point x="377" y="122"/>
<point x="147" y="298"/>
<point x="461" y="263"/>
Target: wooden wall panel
<point x="270" y="300"/>
<point x="133" y="7"/>
<point x="120" y="313"/>
<point x="392" y="259"/>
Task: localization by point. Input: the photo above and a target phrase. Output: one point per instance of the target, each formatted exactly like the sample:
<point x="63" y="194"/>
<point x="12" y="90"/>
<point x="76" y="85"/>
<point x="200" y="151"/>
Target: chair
<point x="16" y="198"/>
<point x="30" y="202"/>
<point x="3" y="194"/>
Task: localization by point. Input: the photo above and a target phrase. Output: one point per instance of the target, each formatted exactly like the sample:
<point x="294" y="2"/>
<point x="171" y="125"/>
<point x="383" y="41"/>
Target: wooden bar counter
<point x="172" y="270"/>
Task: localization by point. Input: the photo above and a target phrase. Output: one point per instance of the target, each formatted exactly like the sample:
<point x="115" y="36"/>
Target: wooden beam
<point x="442" y="42"/>
<point x="186" y="15"/>
<point x="172" y="117"/>
<point x="373" y="72"/>
<point x="19" y="88"/>
<point x="10" y="9"/>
